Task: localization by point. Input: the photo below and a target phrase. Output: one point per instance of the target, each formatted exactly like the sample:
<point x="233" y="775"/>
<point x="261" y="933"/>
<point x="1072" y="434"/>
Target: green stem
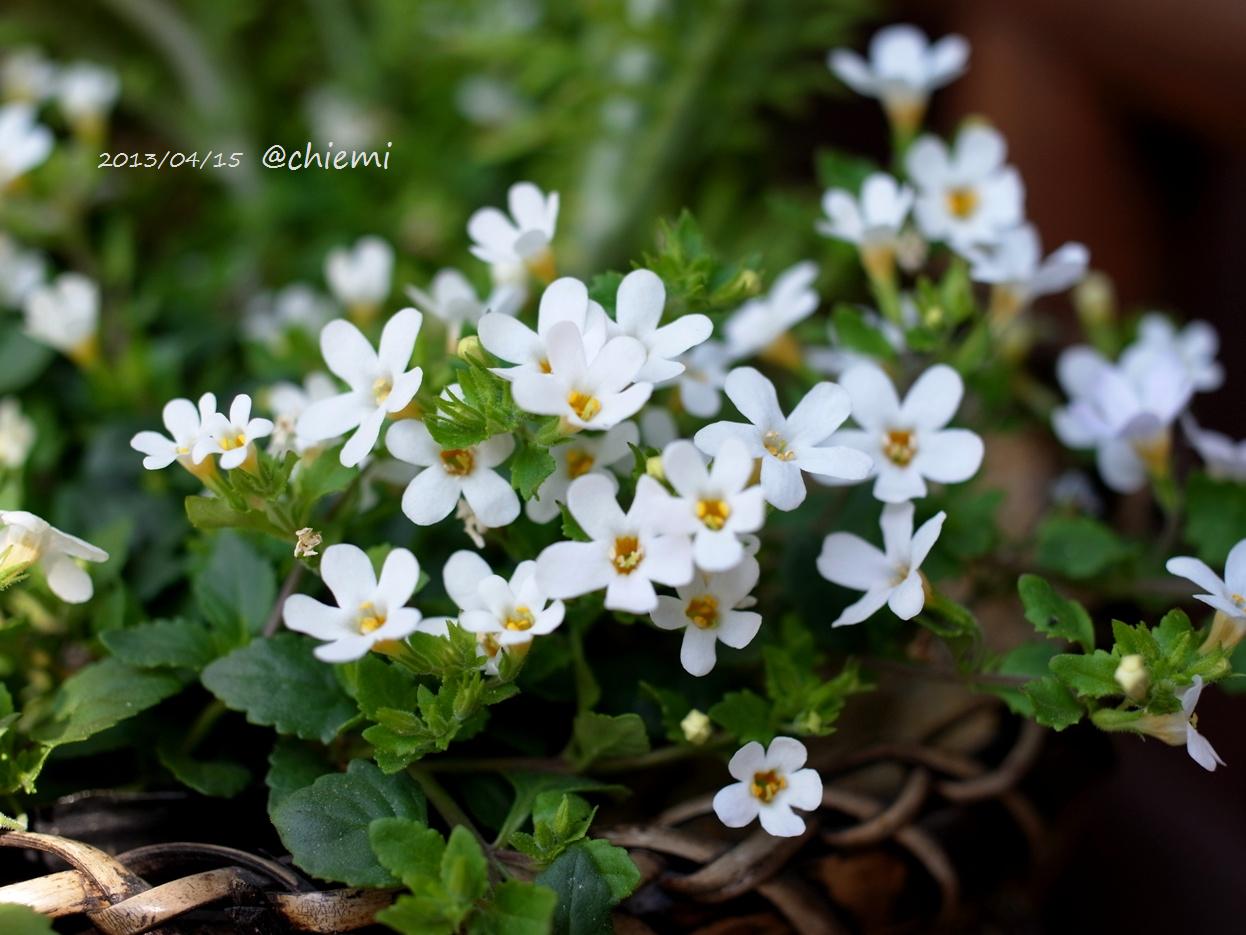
<point x="203" y="725"/>
<point x="445" y="805"/>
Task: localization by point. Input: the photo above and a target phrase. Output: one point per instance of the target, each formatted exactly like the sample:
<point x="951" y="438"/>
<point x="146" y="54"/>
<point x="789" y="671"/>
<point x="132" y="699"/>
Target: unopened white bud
<point x="1133" y="677"/>
<point x="696" y="727"/>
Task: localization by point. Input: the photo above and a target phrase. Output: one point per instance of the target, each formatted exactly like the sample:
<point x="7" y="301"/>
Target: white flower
<point x="380" y="383"/>
<point x="453" y="300"/>
<point x="450" y="473"/>
<point x="657" y="427"/>
<point x="710" y="609"/>
<point x="297" y="307"/>
<point x="86" y="93"/>
<point x="513" y="245"/>
<point x="24" y="143"/>
<point x="462" y="576"/>
<point x="1123" y="413"/>
<point x="787" y="445"/>
<point x="586" y="392"/>
<point x="65" y="314"/>
<point x="27" y="539"/>
<point x="368" y="610"/>
<point x="232" y="437"/>
<point x="27" y="75"/>
<point x="360" y="277"/>
<point x="715" y="506"/>
<point x="907" y="440"/>
<point x="513" y="612"/>
<point x="903" y="69"/>
<point x="583" y="454"/>
<point x="771" y="783"/>
<point x="889" y="576"/>
<point x="564" y="300"/>
<point x="1195" y="346"/>
<point x="1224" y="458"/>
<point x="1228" y="594"/>
<point x="184" y="422"/>
<point x="17" y="434"/>
<point x="873" y="222"/>
<point x="288" y="402"/>
<point x="760" y="322"/>
<point x="21" y="272"/>
<point x="966" y="196"/>
<point x="1178" y="729"/>
<point x="1017" y="270"/>
<point x="627" y="553"/>
<point x="705" y="374"/>
<point x="638" y="313"/>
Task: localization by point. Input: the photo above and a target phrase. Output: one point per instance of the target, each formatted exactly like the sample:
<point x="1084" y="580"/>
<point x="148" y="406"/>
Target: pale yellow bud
<point x="653" y="467"/>
<point x="469" y="348"/>
<point x="696" y="727"/>
<point x="1133" y="677"/>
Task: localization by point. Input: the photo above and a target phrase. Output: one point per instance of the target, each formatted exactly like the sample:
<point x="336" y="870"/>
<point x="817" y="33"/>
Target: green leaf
<point x="1054" y="706"/>
<point x="464" y="869"/>
<point x="516" y="909"/>
<point x="1092" y="676"/>
<point x="1079" y="547"/>
<point x="1215" y="517"/>
<point x="597" y="736"/>
<point x="210" y="513"/>
<point x="745" y="715"/>
<point x="409" y="850"/>
<point x="529" y="466"/>
<point x="325" y="826"/>
<point x="323" y="476"/>
<point x="590" y="878"/>
<point x="853" y="332"/>
<point x="673" y="708"/>
<point x="559" y="820"/>
<point x="178" y="644"/>
<point x="101" y="695"/>
<point x="529" y="786"/>
<point x="1028" y="659"/>
<point x="1054" y="615"/>
<point x="236" y="588"/>
<point x="219" y="778"/>
<point x="838" y="168"/>
<point x="21" y="359"/>
<point x="19" y="920"/>
<point x="292" y="765"/>
<point x="278" y="683"/>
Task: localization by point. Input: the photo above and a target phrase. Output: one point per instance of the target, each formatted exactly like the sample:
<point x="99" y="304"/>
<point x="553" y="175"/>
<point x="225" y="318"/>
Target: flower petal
<point x="735" y="806"/>
<point x="755" y="397"/>
<point x="851" y="562"/>
<point x="431" y="496"/>
<point x="932" y="401"/>
<point x="492" y="499"/>
<point x="783" y="484"/>
<point x="348" y="354"/>
<point x="570" y="569"/>
<point x="347" y="572"/>
<point x="874" y="401"/>
<point x="908" y="598"/>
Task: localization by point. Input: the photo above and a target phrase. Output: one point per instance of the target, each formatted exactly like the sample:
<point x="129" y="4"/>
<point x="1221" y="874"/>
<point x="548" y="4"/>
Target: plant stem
<point x="445" y="805"/>
<point x="203" y="725"/>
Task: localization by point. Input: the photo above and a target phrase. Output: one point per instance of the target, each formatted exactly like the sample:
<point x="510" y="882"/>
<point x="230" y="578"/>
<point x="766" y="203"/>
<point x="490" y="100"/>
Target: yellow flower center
<point x="777" y="446"/>
<point x="579" y="463"/>
<point x="766" y="785"/>
<point x="713" y="513"/>
<point x="229" y="443"/>
<point x="458" y="462"/>
<point x="381" y="388"/>
<point x="370" y="618"/>
<point x="583" y="405"/>
<point x="962" y="202"/>
<point x="489" y="643"/>
<point x="543" y="363"/>
<point x="703" y="611"/>
<point x="520" y="619"/>
<point x="1238" y="601"/>
<point x="900" y="446"/>
<point x="626" y="554"/>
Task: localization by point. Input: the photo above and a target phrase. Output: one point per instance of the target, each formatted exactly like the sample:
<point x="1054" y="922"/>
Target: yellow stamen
<point x="766" y="785"/>
<point x="713" y="513"/>
<point x="583" y="405"/>
<point x="777" y="446"/>
<point x="626" y="554"/>
<point x="543" y="364"/>
<point x="381" y="388"/>
<point x="579" y="463"/>
<point x="458" y="462"/>
<point x="962" y="202"/>
<point x="703" y="611"/>
<point x="520" y="619"/>
<point x="489" y="643"/>
<point x="369" y="618"/>
<point x="229" y="443"/>
<point x="900" y="446"/>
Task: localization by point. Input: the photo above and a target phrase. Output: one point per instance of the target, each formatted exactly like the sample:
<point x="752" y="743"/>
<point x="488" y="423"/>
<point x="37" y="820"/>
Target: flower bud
<point x="696" y="727"/>
<point x="1095" y="300"/>
<point x="470" y="349"/>
<point x="653" y="467"/>
<point x="1133" y="677"/>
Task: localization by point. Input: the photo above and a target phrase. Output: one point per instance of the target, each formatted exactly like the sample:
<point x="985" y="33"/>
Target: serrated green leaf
<point x="528" y="786"/>
<point x="408" y="849"/>
<point x="1079" y="547"/>
<point x="590" y="878"/>
<point x="853" y="332"/>
<point x="292" y="765"/>
<point x="1092" y="676"/>
<point x="218" y="778"/>
<point x="464" y="869"/>
<point x="236" y="588"/>
<point x="529" y="467"/>
<point x="598" y="736"/>
<point x="745" y="715"/>
<point x="516" y="909"/>
<point x="101" y="695"/>
<point x="212" y="513"/>
<point x="1053" y="704"/>
<point x="165" y="643"/>
<point x="1054" y="615"/>
<point x="1215" y="517"/>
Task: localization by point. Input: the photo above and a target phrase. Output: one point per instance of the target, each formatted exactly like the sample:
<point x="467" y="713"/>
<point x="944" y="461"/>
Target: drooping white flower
<point x="64" y="314"/>
<point x="287" y="402"/>
<point x="360" y="277"/>
<point x="638" y="314"/>
<point x="1223" y="458"/>
<point x="583" y="454"/>
<point x="890" y="576"/>
<point x="24" y="142"/>
<point x="1016" y="268"/>
<point x="368" y="610"/>
<point x="712" y="609"/>
<point x="716" y="505"/>
<point x="904" y="67"/>
<point x="21" y="272"/>
<point x="1195" y="346"/>
<point x="761" y="321"/>
<point x="1125" y="414"/>
<point x="705" y="374"/>
<point x="1226" y="595"/>
<point x="908" y="441"/>
<point x="268" y="318"/>
<point x="233" y="437"/>
<point x="185" y="423"/>
<point x="513" y="612"/>
<point x="771" y="783"/>
<point x="452" y="299"/>
<point x="451" y="473"/>
<point x="872" y="222"/>
<point x="26" y="540"/>
<point x="514" y="245"/>
<point x="787" y="445"/>
<point x="86" y="92"/>
<point x="587" y="390"/>
<point x="628" y="552"/>
<point x="17" y="434"/>
<point x="564" y="300"/>
<point x="380" y="383"/>
<point x="28" y="76"/>
<point x="967" y="195"/>
<point x="1178" y="729"/>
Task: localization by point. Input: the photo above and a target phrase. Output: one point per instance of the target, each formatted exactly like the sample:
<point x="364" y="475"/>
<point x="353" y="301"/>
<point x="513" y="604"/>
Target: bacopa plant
<point x="487" y="556"/>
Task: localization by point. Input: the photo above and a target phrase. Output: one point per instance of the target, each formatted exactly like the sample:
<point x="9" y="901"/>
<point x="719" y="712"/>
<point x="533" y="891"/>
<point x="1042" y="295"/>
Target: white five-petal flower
<point x="761" y="321"/>
<point x="27" y="539"/>
<point x="715" y="506"/>
<point x="787" y="445"/>
<point x="1016" y="268"/>
<point x="890" y="576"/>
<point x="1195" y="346"/>
<point x="453" y="299"/>
<point x="185" y="422"/>
<point x="705" y="374"/>
<point x="85" y="93"/>
<point x="771" y="783"/>
<point x="712" y="609"/>
<point x="360" y="277"/>
<point x="27" y="75"/>
<point x="513" y="612"/>
<point x="564" y="300"/>
<point x="908" y="441"/>
<point x="514" y="245"/>
<point x="638" y="314"/>
<point x="268" y="317"/>
<point x="872" y="222"/>
<point x="232" y="437"/>
<point x="380" y="383"/>
<point x="1226" y="595"/>
<point x="64" y="314"/>
<point x="368" y="610"/>
<point x="1178" y="729"/>
<point x="287" y="402"/>
<point x="1222" y="456"/>
<point x="627" y="553"/>
<point x="583" y="454"/>
<point x="24" y="143"/>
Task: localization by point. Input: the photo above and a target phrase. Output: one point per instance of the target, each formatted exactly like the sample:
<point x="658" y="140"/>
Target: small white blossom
<point x="368" y="610"/>
<point x="874" y="222"/>
<point x="583" y="454"/>
<point x="1223" y="458"/>
<point x="86" y="93"/>
<point x="903" y="68"/>
<point x="463" y="576"/>
<point x="771" y="783"/>
<point x="1228" y="594"/>
<point x="287" y="402"/>
<point x="564" y="300"/>
<point x="17" y="434"/>
<point x="451" y="473"/>
<point x="453" y="300"/>
<point x="27" y="75"/>
<point x="1178" y="729"/>
<point x="1017" y="270"/>
<point x="233" y="437"/>
<point x="761" y="321"/>
<point x="514" y="245"/>
<point x="26" y="540"/>
<point x="967" y="195"/>
<point x="890" y="576"/>
<point x="908" y="441"/>
<point x="712" y="609"/>
<point x="628" y="552"/>
<point x="787" y="445"/>
<point x="638" y="313"/>
<point x="65" y="314"/>
<point x="24" y="143"/>
<point x="703" y="379"/>
<point x="21" y="272"/>
<point x="360" y="277"/>
<point x="1195" y="346"/>
<point x="380" y="383"/>
<point x="268" y="318"/>
<point x="513" y="612"/>
<point x="715" y="506"/>
<point x="657" y="427"/>
<point x="185" y="424"/>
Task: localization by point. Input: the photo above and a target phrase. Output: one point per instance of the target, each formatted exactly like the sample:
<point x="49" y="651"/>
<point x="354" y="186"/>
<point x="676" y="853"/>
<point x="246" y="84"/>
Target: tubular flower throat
<point x="583" y="405"/>
<point x="626" y="554"/>
<point x="520" y="619"/>
<point x="713" y="513"/>
<point x="962" y="202"/>
<point x="703" y="611"/>
<point x="766" y="785"/>
<point x="381" y="388"/>
<point x="579" y="463"/>
<point x="229" y="443"/>
<point x="777" y="446"/>
<point x="370" y="618"/>
<point x="900" y="446"/>
<point x="458" y="462"/>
